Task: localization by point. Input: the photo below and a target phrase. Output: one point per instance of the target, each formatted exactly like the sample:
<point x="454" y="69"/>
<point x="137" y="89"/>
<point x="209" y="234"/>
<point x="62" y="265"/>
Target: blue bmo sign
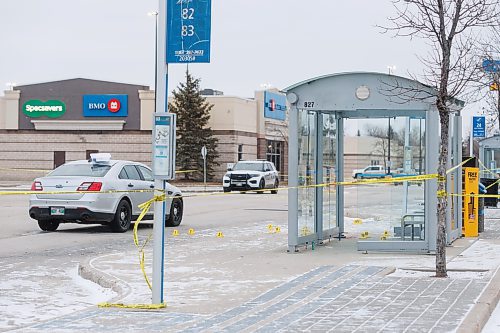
<point x="105" y="105"/>
<point x="274" y="106"/>
<point x="188" y="31"/>
<point x="479" y="127"/>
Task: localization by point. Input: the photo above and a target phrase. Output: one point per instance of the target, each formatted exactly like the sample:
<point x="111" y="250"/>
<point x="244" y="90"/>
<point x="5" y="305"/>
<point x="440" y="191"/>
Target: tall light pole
<point x="155" y="14"/>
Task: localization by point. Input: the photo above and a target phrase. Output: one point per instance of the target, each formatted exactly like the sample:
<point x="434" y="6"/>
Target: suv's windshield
<point x="85" y="170"/>
<point x="249" y="166"/>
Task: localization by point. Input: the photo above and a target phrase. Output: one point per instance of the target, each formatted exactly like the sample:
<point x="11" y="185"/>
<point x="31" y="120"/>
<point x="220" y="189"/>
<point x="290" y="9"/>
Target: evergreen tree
<point x="193" y="114"/>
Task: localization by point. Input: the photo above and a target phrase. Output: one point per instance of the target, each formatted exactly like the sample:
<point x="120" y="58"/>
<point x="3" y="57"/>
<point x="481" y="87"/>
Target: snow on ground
<point x="33" y="294"/>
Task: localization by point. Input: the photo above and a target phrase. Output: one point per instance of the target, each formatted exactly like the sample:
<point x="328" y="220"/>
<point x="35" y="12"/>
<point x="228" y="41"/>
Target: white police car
<point x="251" y="175"/>
<point x="85" y="199"/>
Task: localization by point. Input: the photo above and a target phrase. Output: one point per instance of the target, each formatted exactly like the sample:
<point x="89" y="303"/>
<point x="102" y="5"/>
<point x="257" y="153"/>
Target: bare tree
<point x="452" y="28"/>
<point x="382" y="144"/>
<point x="491" y="80"/>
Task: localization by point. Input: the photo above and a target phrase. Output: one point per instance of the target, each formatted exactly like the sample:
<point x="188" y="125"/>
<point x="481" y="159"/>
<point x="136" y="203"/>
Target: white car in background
<point x="251" y="175"/>
<point x="85" y="199"/>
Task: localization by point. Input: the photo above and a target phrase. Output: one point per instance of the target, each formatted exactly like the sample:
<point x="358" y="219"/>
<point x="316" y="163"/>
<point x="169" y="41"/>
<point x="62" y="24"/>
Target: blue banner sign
<point x="274" y="106"/>
<point x="491" y="66"/>
<point x="105" y="105"/>
<point x="478" y="127"/>
<point x="188" y="31"/>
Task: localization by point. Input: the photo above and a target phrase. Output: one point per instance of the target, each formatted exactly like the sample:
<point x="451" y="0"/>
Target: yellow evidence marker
<point x="191" y="232"/>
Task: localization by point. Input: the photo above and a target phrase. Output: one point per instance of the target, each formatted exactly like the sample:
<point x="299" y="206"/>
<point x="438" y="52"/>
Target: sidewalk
<point x="246" y="282"/>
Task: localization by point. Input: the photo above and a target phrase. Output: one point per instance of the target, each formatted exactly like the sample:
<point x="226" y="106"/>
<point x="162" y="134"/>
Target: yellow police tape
<point x="132" y="306"/>
<point x="145" y="208"/>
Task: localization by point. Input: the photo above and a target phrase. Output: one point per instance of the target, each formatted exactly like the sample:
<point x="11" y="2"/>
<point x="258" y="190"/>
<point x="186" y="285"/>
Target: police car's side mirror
<point x="229" y="169"/>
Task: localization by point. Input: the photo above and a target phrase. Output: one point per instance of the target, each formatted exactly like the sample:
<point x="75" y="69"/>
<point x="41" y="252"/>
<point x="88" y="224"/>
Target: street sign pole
<point x="187" y="40"/>
<point x="159" y="206"/>
<point x="204" y="155"/>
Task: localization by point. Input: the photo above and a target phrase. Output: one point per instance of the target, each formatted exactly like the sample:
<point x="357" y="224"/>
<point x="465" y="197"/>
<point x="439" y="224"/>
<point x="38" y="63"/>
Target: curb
<point x="480" y="313"/>
<point x="88" y="272"/>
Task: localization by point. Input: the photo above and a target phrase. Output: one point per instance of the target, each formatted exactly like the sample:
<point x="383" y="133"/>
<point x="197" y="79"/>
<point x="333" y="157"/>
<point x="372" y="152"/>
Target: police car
<point x="98" y="191"/>
<point x="251" y="175"/>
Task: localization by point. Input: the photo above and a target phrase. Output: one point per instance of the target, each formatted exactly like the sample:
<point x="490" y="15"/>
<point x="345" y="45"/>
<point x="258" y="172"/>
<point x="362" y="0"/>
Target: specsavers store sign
<point x="105" y="105"/>
<point x="36" y="108"/>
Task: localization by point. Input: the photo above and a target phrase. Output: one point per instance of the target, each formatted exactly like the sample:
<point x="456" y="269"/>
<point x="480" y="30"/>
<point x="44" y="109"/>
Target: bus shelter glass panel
<point x="307" y="173"/>
<point x="491" y="162"/>
<point x="377" y="205"/>
<point x="329" y="160"/>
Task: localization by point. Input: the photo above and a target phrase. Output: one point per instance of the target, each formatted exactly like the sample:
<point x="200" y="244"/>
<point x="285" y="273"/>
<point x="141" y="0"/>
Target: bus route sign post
<point x="183" y="37"/>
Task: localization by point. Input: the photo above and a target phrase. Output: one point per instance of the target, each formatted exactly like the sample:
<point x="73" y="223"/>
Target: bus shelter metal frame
<point x="326" y="94"/>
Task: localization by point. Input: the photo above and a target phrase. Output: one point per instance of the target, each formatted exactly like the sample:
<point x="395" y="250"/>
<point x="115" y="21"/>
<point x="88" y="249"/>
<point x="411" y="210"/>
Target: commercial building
<point x="46" y="124"/>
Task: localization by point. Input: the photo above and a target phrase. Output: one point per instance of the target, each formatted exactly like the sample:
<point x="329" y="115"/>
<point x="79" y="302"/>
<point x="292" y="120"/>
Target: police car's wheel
<point x="227" y="189"/>
<point x="123" y="215"/>
<point x="48" y="225"/>
<point x="276" y="184"/>
<point x="175" y="216"/>
<point x="262" y="185"/>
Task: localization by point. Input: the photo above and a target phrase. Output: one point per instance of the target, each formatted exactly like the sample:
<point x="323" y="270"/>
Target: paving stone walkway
<point x="327" y="299"/>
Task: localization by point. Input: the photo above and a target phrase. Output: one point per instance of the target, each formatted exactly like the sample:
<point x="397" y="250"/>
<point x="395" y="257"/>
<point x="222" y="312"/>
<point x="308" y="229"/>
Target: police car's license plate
<point x="238" y="183"/>
<point x="56" y="210"/>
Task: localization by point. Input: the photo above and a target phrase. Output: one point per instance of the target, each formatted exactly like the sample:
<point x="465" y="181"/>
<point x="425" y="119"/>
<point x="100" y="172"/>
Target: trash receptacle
<point x="480" y="213"/>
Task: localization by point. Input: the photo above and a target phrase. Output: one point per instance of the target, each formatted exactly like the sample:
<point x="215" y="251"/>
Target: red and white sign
<point x="114" y="105"/>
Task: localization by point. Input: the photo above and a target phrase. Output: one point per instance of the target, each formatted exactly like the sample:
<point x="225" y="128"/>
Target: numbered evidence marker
<point x="220" y="234"/>
<point x="364" y="235"/>
<point x="191" y="232"/>
<point x="175" y="233"/>
<point x="357" y="221"/>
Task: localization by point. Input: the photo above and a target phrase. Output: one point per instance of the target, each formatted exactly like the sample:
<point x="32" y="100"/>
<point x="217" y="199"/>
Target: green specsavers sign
<point x="35" y="108"/>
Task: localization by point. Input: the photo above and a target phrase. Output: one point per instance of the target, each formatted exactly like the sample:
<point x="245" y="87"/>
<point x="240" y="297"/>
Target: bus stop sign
<point x="478" y="127"/>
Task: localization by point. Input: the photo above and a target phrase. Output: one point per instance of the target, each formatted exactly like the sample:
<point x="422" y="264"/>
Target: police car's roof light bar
<point x="100" y="158"/>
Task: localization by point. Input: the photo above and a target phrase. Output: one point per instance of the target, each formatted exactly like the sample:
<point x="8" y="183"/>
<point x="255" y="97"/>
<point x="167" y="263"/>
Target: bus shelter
<point x="323" y="198"/>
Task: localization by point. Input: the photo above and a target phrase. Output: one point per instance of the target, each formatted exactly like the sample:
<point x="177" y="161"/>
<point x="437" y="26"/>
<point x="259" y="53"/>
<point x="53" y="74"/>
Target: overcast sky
<point x="254" y="42"/>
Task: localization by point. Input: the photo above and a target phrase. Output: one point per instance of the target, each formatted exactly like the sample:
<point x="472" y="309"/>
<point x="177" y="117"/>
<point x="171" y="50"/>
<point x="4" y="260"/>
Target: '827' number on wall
<point x="308" y="104"/>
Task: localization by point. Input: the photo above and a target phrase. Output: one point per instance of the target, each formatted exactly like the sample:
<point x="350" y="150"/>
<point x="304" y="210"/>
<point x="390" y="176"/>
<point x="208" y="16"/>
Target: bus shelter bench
<point x="412" y="220"/>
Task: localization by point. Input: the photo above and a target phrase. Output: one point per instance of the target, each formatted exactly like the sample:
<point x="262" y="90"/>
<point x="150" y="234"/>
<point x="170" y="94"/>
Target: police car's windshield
<point x="84" y="170"/>
<point x="249" y="166"/>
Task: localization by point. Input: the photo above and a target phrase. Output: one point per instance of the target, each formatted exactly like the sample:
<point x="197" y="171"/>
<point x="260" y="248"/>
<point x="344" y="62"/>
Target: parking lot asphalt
<point x="246" y="282"/>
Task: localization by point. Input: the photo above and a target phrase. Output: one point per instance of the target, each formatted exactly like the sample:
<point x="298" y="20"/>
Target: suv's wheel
<point x="123" y="215"/>
<point x="48" y="225"/>
<point x="276" y="184"/>
<point x="226" y="189"/>
<point x="262" y="185"/>
<point x="176" y="210"/>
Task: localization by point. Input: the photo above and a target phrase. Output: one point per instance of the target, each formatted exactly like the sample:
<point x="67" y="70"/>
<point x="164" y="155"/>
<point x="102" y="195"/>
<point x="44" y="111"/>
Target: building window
<point x="274" y="153"/>
<point x="374" y="162"/>
<point x="240" y="152"/>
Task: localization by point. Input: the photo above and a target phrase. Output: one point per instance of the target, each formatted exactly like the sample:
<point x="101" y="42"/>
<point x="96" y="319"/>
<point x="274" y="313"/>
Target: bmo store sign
<point x="105" y="105"/>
